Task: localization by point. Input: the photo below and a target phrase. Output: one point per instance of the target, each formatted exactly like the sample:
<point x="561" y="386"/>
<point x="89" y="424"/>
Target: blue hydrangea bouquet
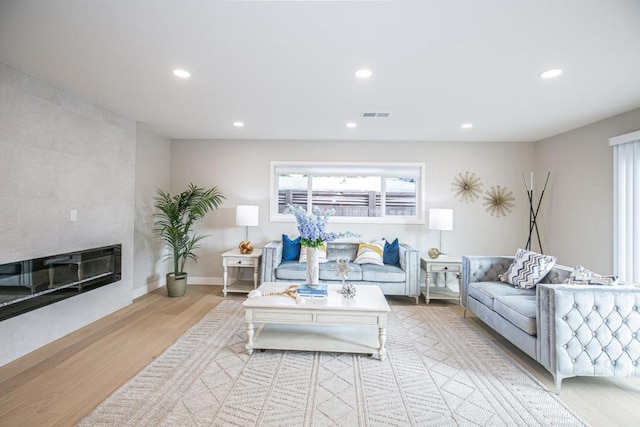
<point x="312" y="226"/>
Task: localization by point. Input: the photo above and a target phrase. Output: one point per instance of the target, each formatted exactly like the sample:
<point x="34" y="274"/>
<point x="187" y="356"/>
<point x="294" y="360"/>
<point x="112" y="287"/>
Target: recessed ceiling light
<point x="363" y="73"/>
<point x="238" y="124"/>
<point x="550" y="74"/>
<point x="352" y="125"/>
<point x="467" y="126"/>
<point x="183" y="74"/>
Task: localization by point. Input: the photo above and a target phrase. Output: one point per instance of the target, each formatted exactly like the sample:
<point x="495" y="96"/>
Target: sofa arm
<point x="410" y="263"/>
<point x="481" y="269"/>
<point x="588" y="330"/>
<point x="271" y="258"/>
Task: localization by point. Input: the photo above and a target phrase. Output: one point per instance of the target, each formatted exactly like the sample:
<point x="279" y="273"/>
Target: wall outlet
<point x="73" y="215"/>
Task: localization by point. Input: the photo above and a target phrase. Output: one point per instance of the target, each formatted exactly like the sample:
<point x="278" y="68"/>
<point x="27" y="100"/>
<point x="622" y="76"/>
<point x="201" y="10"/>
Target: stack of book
<point x="312" y="291"/>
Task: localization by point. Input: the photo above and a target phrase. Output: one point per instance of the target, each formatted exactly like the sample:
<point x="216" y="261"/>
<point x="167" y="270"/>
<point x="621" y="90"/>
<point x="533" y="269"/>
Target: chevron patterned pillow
<point x="370" y="253"/>
<point x="527" y="269"/>
<point x="583" y="276"/>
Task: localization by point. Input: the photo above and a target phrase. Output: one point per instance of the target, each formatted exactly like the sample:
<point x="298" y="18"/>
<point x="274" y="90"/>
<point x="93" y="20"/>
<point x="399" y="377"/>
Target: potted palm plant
<point x="174" y="220"/>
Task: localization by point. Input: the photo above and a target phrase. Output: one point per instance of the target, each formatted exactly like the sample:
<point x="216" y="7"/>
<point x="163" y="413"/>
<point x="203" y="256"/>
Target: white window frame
<point x="382" y="169"/>
<point x="626" y="206"/>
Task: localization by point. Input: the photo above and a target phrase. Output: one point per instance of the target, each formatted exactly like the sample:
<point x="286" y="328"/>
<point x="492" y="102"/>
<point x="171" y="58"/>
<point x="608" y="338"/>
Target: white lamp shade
<point x="247" y="215"/>
<point x="441" y="219"/>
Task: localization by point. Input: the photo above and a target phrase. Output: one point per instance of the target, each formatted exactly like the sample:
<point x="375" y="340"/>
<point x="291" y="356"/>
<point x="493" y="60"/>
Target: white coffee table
<point x="332" y="324"/>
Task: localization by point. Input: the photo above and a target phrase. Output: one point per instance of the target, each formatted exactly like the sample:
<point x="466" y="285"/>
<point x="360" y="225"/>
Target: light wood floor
<point x="60" y="383"/>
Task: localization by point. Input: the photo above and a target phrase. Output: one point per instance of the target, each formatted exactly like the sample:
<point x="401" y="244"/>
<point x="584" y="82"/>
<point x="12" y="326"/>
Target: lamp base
<point x="245" y="247"/>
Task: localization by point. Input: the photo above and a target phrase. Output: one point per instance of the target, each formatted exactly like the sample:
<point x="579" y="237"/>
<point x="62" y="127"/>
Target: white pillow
<point x="322" y="254"/>
<point x="582" y="276"/>
<point x="370" y="253"/>
<point x="527" y="269"/>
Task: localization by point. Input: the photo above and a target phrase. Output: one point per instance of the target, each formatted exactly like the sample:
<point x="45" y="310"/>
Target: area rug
<point x="440" y="370"/>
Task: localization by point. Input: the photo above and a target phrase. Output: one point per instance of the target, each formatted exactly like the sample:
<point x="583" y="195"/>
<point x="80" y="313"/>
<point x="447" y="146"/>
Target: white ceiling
<point x="285" y="68"/>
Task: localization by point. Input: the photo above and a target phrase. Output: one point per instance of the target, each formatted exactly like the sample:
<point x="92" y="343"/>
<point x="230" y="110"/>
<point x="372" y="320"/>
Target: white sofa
<point x="571" y="330"/>
<point x="392" y="280"/>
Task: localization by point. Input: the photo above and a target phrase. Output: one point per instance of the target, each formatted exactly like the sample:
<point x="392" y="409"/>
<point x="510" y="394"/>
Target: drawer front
<point x="444" y="268"/>
<point x="241" y="262"/>
<point x="282" y="317"/>
<point x="341" y="319"/>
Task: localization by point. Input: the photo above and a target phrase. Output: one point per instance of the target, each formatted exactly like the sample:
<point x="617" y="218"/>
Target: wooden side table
<point x="234" y="258"/>
<point x="439" y="266"/>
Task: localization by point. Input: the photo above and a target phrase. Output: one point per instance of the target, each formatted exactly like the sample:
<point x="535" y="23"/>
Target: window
<point x="359" y="192"/>
<point x="626" y="208"/>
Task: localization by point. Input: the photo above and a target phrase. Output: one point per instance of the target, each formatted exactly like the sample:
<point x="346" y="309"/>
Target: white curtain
<point x="626" y="210"/>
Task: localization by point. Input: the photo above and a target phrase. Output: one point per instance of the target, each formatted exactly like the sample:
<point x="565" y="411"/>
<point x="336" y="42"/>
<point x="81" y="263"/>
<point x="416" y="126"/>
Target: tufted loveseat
<point x="403" y="280"/>
<point x="571" y="330"/>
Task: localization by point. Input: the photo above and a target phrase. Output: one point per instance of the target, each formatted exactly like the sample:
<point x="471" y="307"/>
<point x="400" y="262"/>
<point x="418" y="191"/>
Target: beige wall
<point x="241" y="170"/>
<point x="577" y="209"/>
<point x="153" y="170"/>
<point x="59" y="153"/>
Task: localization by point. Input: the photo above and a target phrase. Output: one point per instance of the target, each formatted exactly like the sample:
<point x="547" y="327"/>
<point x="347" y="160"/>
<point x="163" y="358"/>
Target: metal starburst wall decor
<point x="498" y="201"/>
<point x="467" y="187"/>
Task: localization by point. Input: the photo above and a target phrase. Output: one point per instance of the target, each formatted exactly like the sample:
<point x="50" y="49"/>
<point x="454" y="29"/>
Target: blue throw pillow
<point x="290" y="248"/>
<point x="391" y="253"/>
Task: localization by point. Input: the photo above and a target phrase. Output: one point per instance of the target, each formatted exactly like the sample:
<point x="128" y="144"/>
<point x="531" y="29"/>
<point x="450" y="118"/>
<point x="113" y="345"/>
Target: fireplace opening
<point x="34" y="283"/>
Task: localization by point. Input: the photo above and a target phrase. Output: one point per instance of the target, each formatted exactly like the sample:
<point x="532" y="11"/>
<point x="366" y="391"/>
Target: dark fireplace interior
<point x="31" y="284"/>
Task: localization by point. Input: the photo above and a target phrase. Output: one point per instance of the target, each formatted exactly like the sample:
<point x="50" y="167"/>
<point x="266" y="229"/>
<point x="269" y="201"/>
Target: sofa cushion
<point x="485" y="292"/>
<point x="527" y="269"/>
<point x="519" y="310"/>
<point x="329" y="271"/>
<point x="391" y="255"/>
<point x="290" y="248"/>
<point x="382" y="273"/>
<point x="293" y="270"/>
<point x="370" y="253"/>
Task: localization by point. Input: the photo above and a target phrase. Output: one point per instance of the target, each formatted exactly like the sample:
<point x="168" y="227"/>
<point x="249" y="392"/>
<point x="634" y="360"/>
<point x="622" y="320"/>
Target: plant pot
<point x="176" y="285"/>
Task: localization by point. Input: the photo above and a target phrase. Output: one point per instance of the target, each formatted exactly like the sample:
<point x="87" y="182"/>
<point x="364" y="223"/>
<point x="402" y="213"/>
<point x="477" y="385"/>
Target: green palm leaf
<point x="176" y="216"/>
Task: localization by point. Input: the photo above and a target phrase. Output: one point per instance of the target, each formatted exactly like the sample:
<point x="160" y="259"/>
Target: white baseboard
<point x="137" y="293"/>
<point x="205" y="280"/>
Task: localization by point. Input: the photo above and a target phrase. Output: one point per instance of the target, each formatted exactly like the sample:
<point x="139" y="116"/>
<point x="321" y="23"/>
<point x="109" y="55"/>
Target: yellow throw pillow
<point x="370" y="253"/>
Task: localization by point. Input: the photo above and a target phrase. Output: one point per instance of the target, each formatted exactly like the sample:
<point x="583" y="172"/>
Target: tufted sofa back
<point x="487" y="269"/>
<point x="337" y="250"/>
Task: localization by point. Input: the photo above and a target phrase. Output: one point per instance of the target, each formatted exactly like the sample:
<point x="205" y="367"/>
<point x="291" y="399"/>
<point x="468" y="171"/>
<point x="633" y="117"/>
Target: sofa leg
<point x="417" y="297"/>
<point x="557" y="380"/>
<point x="464" y="313"/>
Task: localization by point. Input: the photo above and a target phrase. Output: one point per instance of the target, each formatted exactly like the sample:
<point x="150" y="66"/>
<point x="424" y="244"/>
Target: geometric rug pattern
<point x="439" y="371"/>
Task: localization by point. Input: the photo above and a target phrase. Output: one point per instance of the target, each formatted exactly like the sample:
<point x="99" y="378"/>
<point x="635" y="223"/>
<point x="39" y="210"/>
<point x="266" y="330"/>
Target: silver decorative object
<point x="348" y="291"/>
<point x="342" y="265"/>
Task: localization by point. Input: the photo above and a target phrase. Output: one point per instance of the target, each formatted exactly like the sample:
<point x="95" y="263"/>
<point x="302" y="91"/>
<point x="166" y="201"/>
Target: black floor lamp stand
<point x="533" y="214"/>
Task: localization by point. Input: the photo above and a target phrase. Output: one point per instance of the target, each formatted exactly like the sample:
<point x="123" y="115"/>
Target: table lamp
<point x="246" y="216"/>
<point x="441" y="220"/>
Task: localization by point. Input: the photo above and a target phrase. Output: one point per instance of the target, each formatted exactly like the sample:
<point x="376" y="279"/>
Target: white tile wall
<point x="60" y="152"/>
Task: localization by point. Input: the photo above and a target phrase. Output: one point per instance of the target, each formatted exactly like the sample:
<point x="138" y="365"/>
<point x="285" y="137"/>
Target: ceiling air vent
<point x="375" y="115"/>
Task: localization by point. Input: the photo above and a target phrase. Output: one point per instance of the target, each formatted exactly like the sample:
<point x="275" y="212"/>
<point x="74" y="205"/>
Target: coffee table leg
<point x="249" y="345"/>
<point x="382" y="337"/>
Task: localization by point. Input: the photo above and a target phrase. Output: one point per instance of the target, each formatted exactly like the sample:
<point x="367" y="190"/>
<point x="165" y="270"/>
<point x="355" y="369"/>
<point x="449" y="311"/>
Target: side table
<point x="433" y="267"/>
<point x="234" y="258"/>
